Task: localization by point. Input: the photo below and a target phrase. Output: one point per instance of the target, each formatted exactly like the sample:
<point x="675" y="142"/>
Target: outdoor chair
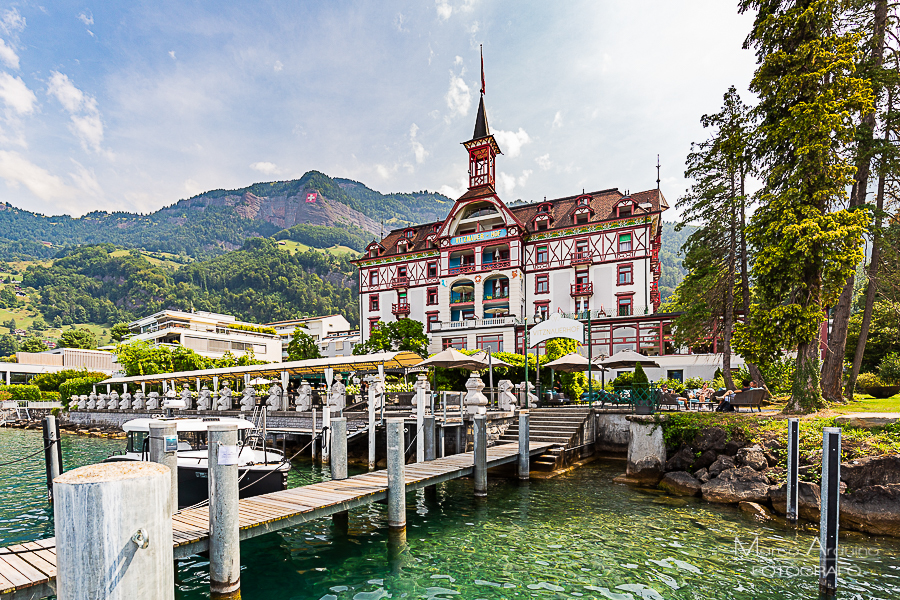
<point x="751" y="398"/>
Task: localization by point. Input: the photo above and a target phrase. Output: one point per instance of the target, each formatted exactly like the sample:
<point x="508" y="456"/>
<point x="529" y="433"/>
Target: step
<point x="544" y="432"/>
<point x="548" y="427"/>
<point x="539" y="438"/>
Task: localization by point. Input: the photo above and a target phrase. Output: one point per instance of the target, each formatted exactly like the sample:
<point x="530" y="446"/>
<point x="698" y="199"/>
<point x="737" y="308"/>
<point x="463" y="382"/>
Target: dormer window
<point x="402" y="246"/>
<point x="436" y="227"/>
<point x="373" y="250"/>
<point x="584" y="201"/>
<point x="544" y="208"/>
<point x="430" y="243"/>
<point x="624" y="209"/>
<point x="582" y="217"/>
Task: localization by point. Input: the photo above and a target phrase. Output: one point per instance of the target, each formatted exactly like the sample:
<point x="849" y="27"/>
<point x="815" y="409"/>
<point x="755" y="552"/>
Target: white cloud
<point x="455" y="192"/>
<point x="192" y="187"/>
<point x="398" y="22"/>
<point x="16" y="94"/>
<point x="418" y="148"/>
<point x="444" y="10"/>
<point x="544" y="161"/>
<point x="278" y="66"/>
<point x="458" y="97"/>
<point x="87" y="19"/>
<point x="172" y="54"/>
<point x="17" y="170"/>
<point x="82" y="108"/>
<point x="12" y="21"/>
<point x="507" y="183"/>
<point x="86" y="181"/>
<point x="265" y="167"/>
<point x="458" y="60"/>
<point x="557" y="120"/>
<point x="511" y="142"/>
<point x="8" y="56"/>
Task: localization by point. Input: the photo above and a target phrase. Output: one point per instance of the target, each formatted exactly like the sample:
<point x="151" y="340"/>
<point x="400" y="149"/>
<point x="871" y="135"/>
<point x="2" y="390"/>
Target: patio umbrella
<point x="260" y="381"/>
<point x="628" y="359"/>
<point x="463" y="288"/>
<point x="490" y="362"/>
<point x="570" y="363"/>
<point x="495" y="311"/>
<point x="450" y="359"/>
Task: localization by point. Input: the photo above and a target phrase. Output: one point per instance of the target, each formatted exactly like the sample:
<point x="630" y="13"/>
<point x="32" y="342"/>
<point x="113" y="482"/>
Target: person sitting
<point x="725" y="405"/>
<point x="667" y="397"/>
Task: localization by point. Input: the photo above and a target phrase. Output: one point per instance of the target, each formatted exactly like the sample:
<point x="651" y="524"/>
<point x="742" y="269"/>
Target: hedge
<point x="79" y="386"/>
<point x="22" y="392"/>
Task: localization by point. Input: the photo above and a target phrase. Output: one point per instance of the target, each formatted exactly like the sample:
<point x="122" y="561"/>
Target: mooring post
<point x="420" y="420"/>
<point x="326" y="434"/>
<point x="440" y="440"/>
<point x="480" y="434"/>
<point x="224" y="534"/>
<point x="524" y="446"/>
<point x="338" y="439"/>
<point x="793" y="462"/>
<point x="396" y="473"/>
<point x="52" y="453"/>
<point x="371" y="392"/>
<point x="164" y="450"/>
<point x="428" y="436"/>
<point x="312" y="443"/>
<point x="829" y="510"/>
<point x="120" y="552"/>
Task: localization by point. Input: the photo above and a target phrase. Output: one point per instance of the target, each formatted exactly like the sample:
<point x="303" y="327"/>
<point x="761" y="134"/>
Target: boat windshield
<point x="187" y="440"/>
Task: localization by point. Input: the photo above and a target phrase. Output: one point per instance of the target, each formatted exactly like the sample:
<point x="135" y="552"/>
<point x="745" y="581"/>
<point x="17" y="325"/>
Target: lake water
<point x="575" y="536"/>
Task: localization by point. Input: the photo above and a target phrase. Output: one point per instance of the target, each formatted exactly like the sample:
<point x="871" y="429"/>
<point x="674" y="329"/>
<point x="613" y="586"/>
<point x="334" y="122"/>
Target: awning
<point x="316" y="366"/>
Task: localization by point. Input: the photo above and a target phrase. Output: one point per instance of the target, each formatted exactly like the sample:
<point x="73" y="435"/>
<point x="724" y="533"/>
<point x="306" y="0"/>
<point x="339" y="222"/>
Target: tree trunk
<point x="833" y="367"/>
<point x="755" y="373"/>
<point x="805" y="392"/>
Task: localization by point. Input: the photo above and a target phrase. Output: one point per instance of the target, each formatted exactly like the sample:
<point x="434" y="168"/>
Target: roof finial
<point x="657" y="171"/>
<point x="382" y="229"/>
<point x="481" y="50"/>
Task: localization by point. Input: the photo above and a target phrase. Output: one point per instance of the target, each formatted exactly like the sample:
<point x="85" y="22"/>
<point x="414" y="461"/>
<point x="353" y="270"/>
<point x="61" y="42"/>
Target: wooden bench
<point x="749" y="398"/>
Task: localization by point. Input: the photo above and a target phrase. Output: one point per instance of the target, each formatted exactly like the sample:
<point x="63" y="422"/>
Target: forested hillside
<point x="670" y="258"/>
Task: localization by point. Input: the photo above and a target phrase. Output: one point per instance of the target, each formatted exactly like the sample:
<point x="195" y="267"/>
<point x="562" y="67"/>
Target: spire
<point x="481" y="122"/>
<point x="657" y="171"/>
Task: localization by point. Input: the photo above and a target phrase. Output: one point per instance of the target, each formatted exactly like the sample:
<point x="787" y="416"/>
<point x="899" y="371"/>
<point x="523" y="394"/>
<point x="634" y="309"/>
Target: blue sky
<point x="135" y="105"/>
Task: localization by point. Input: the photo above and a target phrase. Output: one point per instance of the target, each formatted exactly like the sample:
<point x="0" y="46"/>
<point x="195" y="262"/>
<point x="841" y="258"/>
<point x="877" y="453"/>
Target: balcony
<point x="578" y="258"/>
<point x="582" y="289"/>
<point x="462" y="269"/>
<point x="471" y="323"/>
<point x="498" y="297"/>
<point x="401" y="308"/>
<point x="400" y="282"/>
<point x="497" y="265"/>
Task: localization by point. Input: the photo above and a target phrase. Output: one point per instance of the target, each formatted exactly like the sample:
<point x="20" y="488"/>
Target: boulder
<point x="755" y="510"/>
<point x="771" y="457"/>
<point x="732" y="447"/>
<point x="711" y="439"/>
<point x="874" y="509"/>
<point x="867" y="420"/>
<point x="740" y="484"/>
<point x="702" y="475"/>
<point x="808" y="500"/>
<point x="872" y="470"/>
<point x="722" y="463"/>
<point x="706" y="459"/>
<point x="681" y="460"/>
<point x="752" y="457"/>
<point x="681" y="483"/>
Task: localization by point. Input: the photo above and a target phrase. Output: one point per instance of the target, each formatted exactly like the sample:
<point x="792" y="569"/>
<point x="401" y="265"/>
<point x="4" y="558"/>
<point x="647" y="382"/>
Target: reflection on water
<point x="578" y="535"/>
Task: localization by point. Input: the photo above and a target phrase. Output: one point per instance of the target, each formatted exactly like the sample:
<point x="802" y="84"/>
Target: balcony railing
<point x="577" y="258"/>
<point x="497" y="265"/>
<point x="493" y="322"/>
<point x="502" y="296"/>
<point x="462" y="299"/>
<point x="401" y="308"/>
<point x="462" y="269"/>
<point x="582" y="289"/>
<point x="400" y="282"/>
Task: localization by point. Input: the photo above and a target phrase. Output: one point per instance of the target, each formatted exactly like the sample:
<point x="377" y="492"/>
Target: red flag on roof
<point x="482" y="70"/>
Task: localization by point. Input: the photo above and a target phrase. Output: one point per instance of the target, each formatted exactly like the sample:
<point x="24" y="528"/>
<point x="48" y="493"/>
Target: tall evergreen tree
<point x="807" y="244"/>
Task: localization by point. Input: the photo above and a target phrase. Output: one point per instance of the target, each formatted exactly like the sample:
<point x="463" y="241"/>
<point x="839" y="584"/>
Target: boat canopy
<point x="315" y="366"/>
<point x="184" y="425"/>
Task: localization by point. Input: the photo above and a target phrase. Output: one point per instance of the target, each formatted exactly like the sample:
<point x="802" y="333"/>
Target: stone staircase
<point x="569" y="428"/>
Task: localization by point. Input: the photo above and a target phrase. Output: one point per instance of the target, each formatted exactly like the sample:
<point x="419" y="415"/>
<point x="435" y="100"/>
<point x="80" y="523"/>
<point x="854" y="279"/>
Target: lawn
<point x="294" y="247"/>
<point x="866" y="403"/>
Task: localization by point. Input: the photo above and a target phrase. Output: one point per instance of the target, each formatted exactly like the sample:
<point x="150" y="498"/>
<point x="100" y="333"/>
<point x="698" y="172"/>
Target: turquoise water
<point x="575" y="536"/>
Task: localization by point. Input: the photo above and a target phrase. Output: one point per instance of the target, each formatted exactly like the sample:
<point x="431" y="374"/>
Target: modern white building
<point x="319" y="329"/>
<point x="208" y="334"/>
<point x="339" y="344"/>
<point x="29" y="364"/>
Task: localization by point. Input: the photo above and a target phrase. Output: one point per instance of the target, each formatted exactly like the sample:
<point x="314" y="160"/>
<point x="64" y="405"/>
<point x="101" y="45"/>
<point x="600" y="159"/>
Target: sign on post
<point x="556" y="327"/>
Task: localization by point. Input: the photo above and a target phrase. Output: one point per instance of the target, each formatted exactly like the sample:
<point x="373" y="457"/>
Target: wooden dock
<point x="28" y="571"/>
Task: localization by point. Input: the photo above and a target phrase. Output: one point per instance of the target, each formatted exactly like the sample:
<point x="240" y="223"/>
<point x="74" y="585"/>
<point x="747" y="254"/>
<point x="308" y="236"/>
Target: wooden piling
<point x="224" y="534"/>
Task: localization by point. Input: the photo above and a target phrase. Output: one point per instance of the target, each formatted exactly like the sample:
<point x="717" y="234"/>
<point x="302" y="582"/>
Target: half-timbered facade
<point x="472" y="278"/>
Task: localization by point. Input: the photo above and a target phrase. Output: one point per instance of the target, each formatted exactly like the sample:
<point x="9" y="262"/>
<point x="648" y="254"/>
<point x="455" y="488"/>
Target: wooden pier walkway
<point x="29" y="570"/>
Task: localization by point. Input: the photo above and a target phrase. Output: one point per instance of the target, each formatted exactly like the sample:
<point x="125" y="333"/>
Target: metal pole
<point x="115" y="552"/>
<point x="480" y="468"/>
<point x="524" y="449"/>
<point x="420" y="419"/>
<point x="371" y="393"/>
<point x="829" y="510"/>
<point x="428" y="437"/>
<point x="52" y="460"/>
<point x="525" y="350"/>
<point x="590" y="362"/>
<point x="338" y="439"/>
<point x="793" y="461"/>
<point x="224" y="534"/>
<point x="396" y="474"/>
<point x="312" y="443"/>
<point x="164" y="450"/>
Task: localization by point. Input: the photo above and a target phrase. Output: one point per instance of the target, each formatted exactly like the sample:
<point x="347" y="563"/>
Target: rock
<point x="732" y="447"/>
<point x="706" y="459"/>
<point x="737" y="485"/>
<point x="867" y="420"/>
<point x="872" y="470"/>
<point x="808" y="500"/>
<point x="681" y="483"/>
<point x="755" y="510"/>
<point x="771" y="458"/>
<point x="702" y="475"/>
<point x="772" y="444"/>
<point x="381" y="464"/>
<point x="874" y="509"/>
<point x="711" y="439"/>
<point x="752" y="457"/>
<point x="681" y="460"/>
<point x="722" y="463"/>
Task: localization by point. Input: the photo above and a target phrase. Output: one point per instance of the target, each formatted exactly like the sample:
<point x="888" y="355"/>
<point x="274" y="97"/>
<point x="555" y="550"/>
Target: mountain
<point x="670" y="258"/>
<point x="217" y="221"/>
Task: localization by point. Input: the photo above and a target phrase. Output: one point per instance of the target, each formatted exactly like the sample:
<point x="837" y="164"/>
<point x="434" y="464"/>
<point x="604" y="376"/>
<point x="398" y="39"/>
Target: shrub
<point x="889" y="370"/>
<point x="695" y="383"/>
<point x="639" y="377"/>
<point x="50" y="382"/>
<point x="79" y="386"/>
<point x="867" y="381"/>
<point x="779" y="375"/>
<point x="673" y="384"/>
<point x="22" y="392"/>
<point x="623" y="380"/>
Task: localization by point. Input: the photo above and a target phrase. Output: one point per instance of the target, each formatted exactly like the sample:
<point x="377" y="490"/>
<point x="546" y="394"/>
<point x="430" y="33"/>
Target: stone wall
<point x="613" y="432"/>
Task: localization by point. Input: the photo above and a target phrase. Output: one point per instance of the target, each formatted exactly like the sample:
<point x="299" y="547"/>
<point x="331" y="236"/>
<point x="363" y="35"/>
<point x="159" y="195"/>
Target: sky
<point x="134" y="105"/>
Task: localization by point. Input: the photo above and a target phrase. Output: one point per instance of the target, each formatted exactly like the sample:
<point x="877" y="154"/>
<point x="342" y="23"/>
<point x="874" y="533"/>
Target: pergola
<point x="316" y="366"/>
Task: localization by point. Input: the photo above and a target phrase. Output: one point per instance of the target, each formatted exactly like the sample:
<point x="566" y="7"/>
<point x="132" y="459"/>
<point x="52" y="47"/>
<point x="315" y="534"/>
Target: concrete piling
<point x="224" y="534"/>
<point x="52" y="452"/>
<point x="793" y="462"/>
<point x="114" y="532"/>
<point x="420" y="420"/>
<point x="829" y="510"/>
<point x="164" y="451"/>
<point x="312" y="444"/>
<point x="428" y="437"/>
<point x="339" y="448"/>
<point x="396" y="472"/>
<point x="480" y="435"/>
<point x="326" y="434"/>
<point x="371" y="427"/>
<point x="524" y="464"/>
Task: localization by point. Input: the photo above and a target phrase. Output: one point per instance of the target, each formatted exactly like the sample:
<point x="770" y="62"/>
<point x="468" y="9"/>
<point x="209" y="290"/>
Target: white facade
<point x="319" y="329"/>
<point x="208" y="334"/>
<point x="339" y="344"/>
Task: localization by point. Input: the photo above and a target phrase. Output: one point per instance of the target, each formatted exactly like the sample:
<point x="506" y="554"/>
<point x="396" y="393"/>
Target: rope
<point x="44" y="449"/>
